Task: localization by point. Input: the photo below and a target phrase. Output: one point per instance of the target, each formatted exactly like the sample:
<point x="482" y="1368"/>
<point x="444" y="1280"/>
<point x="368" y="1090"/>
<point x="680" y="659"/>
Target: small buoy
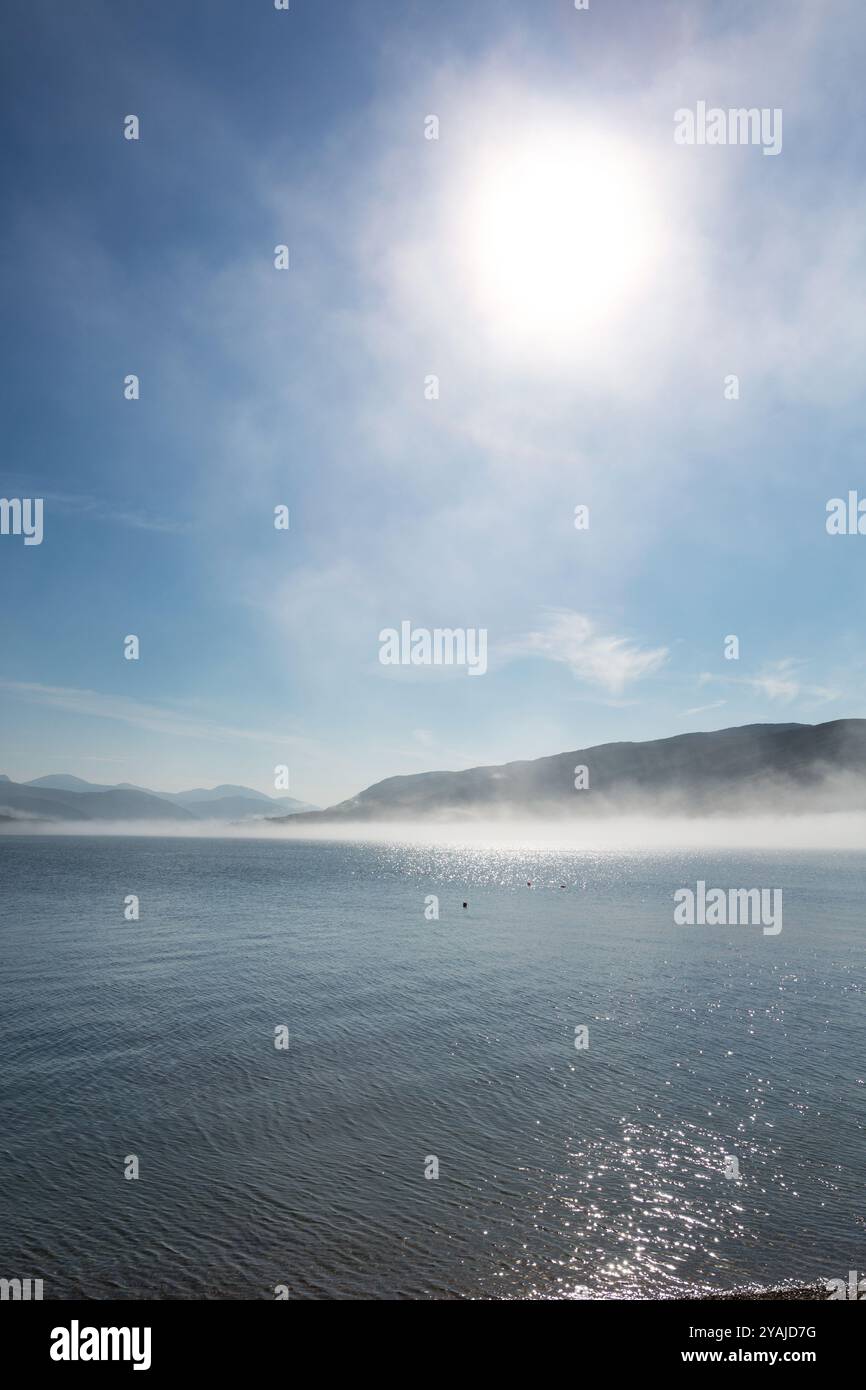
<point x="465" y="904"/>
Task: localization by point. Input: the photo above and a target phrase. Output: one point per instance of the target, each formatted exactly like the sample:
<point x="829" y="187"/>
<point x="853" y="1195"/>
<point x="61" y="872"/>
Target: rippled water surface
<point x="562" y="1172"/>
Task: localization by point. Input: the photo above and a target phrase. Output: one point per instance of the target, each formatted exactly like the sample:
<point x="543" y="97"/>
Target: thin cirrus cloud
<point x="142" y="715"/>
<point x="96" y="509"/>
<point x="704" y="709"/>
<point x="92" y="509"/>
<point x="600" y="659"/>
<point x="778" y="682"/>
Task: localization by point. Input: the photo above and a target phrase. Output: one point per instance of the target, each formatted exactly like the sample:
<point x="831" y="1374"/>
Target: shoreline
<point x="810" y="1293"/>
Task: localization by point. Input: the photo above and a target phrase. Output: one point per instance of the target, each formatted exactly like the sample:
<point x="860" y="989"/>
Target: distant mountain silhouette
<point x="786" y="767"/>
<point x="62" y="797"/>
<point x="19" y="801"/>
<point x="758" y="767"/>
<point x="63" y="782"/>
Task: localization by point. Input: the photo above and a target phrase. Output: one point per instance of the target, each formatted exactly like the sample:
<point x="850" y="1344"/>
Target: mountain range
<point x="757" y="767"/>
<point x="61" y="797"/>
<point x="754" y="768"/>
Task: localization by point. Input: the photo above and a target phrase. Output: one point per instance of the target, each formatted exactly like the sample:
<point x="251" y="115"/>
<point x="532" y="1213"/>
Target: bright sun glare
<point x="562" y="233"/>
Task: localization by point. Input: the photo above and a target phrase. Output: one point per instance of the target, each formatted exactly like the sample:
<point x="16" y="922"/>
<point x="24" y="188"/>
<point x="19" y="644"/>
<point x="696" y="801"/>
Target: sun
<point x="560" y="231"/>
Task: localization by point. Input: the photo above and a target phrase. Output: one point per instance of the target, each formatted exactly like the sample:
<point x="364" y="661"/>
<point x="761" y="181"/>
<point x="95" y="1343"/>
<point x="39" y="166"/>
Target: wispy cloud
<point x="97" y="509"/>
<point x="778" y="682"/>
<point x="93" y="509"/>
<point x="599" y="658"/>
<point x="160" y="719"/>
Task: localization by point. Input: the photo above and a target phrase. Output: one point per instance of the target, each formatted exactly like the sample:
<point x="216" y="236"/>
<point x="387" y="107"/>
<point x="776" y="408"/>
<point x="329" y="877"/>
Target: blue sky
<point x="583" y="373"/>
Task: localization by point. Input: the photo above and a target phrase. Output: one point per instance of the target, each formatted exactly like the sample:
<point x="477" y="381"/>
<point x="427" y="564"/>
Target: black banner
<point x="163" y="1339"/>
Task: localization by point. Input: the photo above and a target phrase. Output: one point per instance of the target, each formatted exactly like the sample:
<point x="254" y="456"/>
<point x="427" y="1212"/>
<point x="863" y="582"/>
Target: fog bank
<point x="842" y="830"/>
